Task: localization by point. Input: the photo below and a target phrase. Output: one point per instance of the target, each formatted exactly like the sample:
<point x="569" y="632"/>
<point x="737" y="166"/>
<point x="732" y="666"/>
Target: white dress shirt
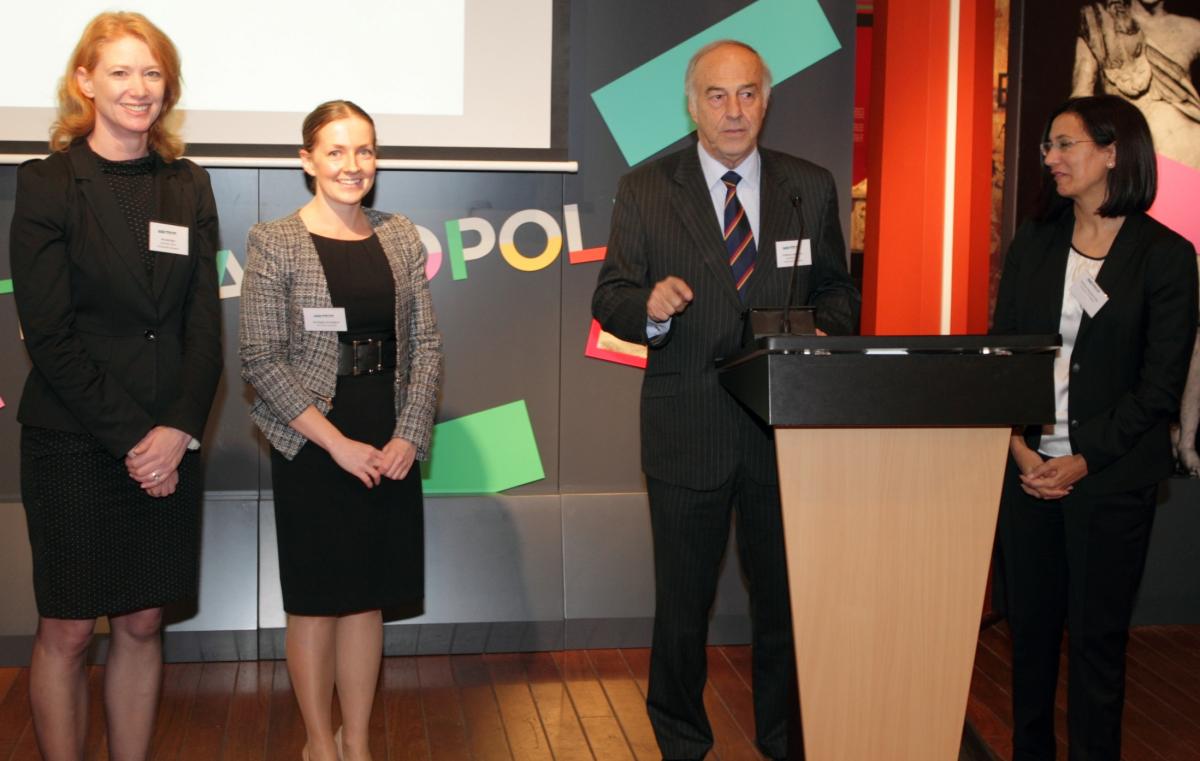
<point x="1056" y="439"/>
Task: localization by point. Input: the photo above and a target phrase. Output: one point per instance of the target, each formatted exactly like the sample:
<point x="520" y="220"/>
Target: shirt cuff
<point x="655" y="330"/>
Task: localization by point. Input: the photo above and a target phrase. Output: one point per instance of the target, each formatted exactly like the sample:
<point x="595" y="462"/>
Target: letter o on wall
<point x="517" y="260"/>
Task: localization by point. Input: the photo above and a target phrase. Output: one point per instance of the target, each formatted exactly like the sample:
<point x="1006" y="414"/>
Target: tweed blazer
<point x="694" y="433"/>
<point x="292" y="368"/>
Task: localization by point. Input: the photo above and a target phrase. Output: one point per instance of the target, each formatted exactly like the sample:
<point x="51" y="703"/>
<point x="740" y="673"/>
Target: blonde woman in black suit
<point x="347" y="405"/>
<point x="1079" y="496"/>
<point x="113" y="246"/>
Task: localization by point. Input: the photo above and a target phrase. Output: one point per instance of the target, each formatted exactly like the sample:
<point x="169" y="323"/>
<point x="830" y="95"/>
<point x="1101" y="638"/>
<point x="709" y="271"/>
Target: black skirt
<point x="344" y="548"/>
<point x="100" y="544"/>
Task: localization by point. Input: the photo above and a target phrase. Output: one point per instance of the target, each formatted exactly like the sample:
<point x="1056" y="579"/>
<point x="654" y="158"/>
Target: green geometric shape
<point x="6" y="286"/>
<point x="483" y="453"/>
<point x="454" y="250"/>
<point x="222" y="257"/>
<point x="646" y="109"/>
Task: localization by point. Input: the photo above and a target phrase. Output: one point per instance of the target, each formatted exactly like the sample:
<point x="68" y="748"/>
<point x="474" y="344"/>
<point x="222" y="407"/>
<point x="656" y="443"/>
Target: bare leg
<point x="58" y="688"/>
<point x="132" y="681"/>
<point x="359" y="650"/>
<point x="310" y="659"/>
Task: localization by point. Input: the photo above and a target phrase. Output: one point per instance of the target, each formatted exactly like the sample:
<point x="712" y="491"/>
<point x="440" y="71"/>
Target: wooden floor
<point x="564" y="706"/>
<point x="1162" y="694"/>
<point x="574" y="706"/>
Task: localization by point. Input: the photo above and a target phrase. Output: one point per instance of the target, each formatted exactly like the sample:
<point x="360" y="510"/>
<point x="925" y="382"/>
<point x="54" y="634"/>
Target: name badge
<point x="168" y="239"/>
<point x="1089" y="295"/>
<point x="325" y="318"/>
<point x="785" y="253"/>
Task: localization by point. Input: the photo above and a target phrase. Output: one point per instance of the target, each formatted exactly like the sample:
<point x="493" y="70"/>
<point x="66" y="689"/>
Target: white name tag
<point x="168" y="239"/>
<point x="324" y="318"/>
<point x="1089" y="295"/>
<point x="785" y="253"/>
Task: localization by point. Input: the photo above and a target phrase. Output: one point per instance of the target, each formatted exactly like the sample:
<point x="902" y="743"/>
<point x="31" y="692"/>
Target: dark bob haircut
<point x="1133" y="182"/>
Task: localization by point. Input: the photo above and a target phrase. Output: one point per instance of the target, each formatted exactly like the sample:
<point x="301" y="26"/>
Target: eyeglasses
<point x="1063" y="144"/>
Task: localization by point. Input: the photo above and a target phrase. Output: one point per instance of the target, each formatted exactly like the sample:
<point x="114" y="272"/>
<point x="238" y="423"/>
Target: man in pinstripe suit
<point x="677" y="277"/>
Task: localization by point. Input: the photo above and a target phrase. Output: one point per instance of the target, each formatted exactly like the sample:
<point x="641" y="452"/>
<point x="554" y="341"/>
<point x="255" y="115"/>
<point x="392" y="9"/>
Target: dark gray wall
<point x="508" y="334"/>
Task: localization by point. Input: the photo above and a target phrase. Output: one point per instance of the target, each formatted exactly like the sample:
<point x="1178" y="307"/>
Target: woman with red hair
<point x="113" y="249"/>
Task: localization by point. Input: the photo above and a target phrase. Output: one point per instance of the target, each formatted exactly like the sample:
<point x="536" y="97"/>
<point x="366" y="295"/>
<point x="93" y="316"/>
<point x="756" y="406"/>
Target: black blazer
<point x="114" y="354"/>
<point x="693" y="432"/>
<point x="1130" y="361"/>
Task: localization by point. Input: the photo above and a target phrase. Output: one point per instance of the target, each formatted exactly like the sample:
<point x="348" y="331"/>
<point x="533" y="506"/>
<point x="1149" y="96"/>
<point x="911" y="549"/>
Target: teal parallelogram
<point x="646" y="110"/>
<point x="222" y="258"/>
<point x="483" y="453"/>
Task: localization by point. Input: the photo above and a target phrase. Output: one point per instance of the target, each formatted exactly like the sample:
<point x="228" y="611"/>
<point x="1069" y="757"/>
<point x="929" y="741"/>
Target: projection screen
<point x="446" y="81"/>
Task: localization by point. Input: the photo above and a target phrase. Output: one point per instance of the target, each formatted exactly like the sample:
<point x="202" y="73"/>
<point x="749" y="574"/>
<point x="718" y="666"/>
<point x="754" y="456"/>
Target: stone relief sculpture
<point x="1142" y="52"/>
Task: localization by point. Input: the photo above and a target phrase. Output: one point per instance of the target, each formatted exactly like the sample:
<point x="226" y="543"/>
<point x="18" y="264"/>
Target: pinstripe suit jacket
<point x="693" y="432"/>
<point x="292" y="368"/>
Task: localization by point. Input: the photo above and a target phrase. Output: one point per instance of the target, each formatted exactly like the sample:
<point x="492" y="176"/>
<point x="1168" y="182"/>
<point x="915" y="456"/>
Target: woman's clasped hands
<point x="1053" y="478"/>
<point x="154" y="460"/>
<point x="369" y="465"/>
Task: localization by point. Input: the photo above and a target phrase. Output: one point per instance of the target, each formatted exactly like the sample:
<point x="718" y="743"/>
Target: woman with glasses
<point x="1079" y="495"/>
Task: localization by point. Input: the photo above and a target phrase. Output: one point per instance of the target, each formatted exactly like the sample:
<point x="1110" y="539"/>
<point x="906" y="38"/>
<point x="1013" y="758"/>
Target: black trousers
<point x="691" y="531"/>
<point x="1077" y="561"/>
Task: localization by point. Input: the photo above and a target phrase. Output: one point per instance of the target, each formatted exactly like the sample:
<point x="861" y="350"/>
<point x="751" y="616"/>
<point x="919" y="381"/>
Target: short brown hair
<point x="77" y="113"/>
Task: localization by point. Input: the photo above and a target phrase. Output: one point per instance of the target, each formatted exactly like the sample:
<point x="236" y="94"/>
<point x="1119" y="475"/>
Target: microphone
<point x="786" y="325"/>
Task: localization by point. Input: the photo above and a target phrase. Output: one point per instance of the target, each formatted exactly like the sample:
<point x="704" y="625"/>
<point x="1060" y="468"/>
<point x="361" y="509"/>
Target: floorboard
<point x="586" y="705"/>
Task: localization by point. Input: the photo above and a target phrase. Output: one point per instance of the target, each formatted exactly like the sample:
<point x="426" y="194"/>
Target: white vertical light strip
<point x="951" y="154"/>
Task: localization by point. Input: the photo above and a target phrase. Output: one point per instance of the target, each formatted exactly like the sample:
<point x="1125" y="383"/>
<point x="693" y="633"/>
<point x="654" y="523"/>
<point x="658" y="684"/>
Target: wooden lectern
<point x="891" y="454"/>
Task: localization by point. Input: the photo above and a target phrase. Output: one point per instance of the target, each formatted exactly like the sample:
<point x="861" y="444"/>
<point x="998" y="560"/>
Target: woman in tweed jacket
<point x="347" y="406"/>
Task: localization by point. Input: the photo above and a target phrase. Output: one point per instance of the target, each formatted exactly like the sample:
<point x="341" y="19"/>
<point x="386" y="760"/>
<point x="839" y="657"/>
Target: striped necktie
<point x="739" y="239"/>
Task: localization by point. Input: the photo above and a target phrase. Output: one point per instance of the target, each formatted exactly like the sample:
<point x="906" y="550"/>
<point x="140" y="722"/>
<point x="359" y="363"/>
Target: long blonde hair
<point x="77" y="113"/>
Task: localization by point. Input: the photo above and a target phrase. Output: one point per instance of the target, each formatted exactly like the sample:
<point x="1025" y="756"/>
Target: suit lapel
<point x="692" y="202"/>
<point x="167" y="208"/>
<point x="104" y="206"/>
<point x="1116" y="264"/>
<point x="775" y="216"/>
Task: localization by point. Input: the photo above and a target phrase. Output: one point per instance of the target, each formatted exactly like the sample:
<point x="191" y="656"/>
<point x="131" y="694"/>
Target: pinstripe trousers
<point x="691" y="532"/>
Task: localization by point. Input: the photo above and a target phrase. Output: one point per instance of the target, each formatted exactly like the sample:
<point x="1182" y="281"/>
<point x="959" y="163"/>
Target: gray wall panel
<point x="230" y="450"/>
<point x="609" y="561"/>
<point x="228" y="568"/>
<point x="1170" y="591"/>
<point x="14" y="362"/>
<point x="18" y="611"/>
<point x="608" y="567"/>
<point x="493" y="559"/>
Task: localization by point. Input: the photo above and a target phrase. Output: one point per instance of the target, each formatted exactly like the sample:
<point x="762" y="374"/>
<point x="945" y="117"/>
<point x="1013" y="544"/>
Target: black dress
<point x="100" y="544"/>
<point x="343" y="547"/>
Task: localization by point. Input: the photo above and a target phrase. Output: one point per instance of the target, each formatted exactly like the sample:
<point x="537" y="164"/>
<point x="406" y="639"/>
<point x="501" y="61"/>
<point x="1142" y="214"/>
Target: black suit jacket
<point x="693" y="432"/>
<point x="114" y="353"/>
<point x="1130" y="361"/>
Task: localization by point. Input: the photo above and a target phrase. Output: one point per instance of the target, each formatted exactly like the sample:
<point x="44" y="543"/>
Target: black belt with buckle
<point x="366" y="356"/>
